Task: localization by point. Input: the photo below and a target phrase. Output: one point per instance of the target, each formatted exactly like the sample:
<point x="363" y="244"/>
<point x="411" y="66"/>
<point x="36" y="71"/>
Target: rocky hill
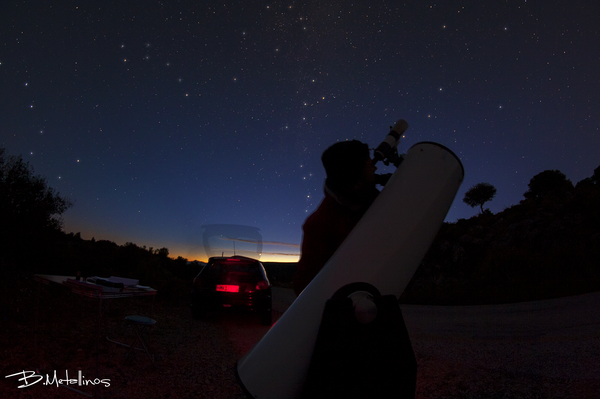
<point x="547" y="246"/>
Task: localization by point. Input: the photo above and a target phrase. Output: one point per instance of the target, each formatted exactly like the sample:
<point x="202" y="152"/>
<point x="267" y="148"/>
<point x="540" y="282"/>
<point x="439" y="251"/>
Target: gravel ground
<point x="547" y="349"/>
<point x="542" y="349"/>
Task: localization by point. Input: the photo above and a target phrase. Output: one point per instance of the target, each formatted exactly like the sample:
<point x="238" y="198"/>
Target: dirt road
<point x="545" y="349"/>
<point x="534" y="349"/>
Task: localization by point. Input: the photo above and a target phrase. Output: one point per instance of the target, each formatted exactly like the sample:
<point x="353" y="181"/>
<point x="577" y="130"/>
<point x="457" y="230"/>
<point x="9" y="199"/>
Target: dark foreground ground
<point x="545" y="349"/>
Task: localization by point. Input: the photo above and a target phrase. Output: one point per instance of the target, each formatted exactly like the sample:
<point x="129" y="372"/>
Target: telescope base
<point x="355" y="360"/>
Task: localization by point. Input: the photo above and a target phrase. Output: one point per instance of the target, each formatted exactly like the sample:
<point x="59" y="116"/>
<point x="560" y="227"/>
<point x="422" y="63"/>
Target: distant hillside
<point x="544" y="247"/>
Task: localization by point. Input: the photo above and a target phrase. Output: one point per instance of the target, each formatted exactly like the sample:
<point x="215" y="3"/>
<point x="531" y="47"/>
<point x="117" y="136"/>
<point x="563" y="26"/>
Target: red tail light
<point x="228" y="288"/>
<point x="262" y="285"/>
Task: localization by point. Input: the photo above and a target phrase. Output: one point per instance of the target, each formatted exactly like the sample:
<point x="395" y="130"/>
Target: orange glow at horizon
<point x="273" y="251"/>
<point x="200" y="256"/>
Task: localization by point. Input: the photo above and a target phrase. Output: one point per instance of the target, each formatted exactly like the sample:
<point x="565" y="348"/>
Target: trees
<point x="163" y="252"/>
<point x="28" y="205"/>
<point x="548" y="182"/>
<point x="596" y="175"/>
<point x="479" y="194"/>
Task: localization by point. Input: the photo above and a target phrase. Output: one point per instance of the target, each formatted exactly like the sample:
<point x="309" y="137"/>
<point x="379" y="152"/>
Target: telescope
<point x="387" y="151"/>
<point x="341" y="335"/>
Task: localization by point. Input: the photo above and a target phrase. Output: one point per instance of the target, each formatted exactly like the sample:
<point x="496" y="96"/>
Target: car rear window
<point x="239" y="267"/>
<point x="232" y="270"/>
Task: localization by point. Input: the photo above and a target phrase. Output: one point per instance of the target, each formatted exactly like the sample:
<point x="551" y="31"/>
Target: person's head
<point x="349" y="167"/>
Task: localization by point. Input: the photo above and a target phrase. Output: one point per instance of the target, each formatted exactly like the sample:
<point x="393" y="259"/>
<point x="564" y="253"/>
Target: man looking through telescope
<point x="350" y="189"/>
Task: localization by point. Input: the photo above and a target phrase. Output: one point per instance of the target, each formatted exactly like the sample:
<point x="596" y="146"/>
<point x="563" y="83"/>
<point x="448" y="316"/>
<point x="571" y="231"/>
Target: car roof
<point x="231" y="258"/>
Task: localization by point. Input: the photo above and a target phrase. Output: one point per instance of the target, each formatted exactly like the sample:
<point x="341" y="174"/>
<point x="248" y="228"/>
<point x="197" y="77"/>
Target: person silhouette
<point x="350" y="188"/>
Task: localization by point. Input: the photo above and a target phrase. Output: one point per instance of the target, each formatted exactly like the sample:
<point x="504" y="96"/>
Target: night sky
<point x="159" y="117"/>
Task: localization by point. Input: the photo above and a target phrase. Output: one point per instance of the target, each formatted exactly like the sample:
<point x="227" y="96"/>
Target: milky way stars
<point x="162" y="117"/>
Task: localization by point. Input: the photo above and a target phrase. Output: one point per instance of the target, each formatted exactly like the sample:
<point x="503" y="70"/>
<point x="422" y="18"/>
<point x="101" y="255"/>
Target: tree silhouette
<point x="596" y="175"/>
<point x="28" y="206"/>
<point x="163" y="252"/>
<point x="479" y="194"/>
<point x="547" y="182"/>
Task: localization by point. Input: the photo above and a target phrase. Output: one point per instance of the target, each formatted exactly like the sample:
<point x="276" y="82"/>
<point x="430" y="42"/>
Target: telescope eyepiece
<point x="387" y="149"/>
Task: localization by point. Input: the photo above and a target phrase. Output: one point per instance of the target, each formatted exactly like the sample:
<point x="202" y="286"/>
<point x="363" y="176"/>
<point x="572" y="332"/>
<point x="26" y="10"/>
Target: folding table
<point x="89" y="291"/>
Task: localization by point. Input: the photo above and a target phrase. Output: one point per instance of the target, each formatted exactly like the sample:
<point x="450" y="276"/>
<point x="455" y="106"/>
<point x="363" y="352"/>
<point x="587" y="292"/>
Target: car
<point x="232" y="282"/>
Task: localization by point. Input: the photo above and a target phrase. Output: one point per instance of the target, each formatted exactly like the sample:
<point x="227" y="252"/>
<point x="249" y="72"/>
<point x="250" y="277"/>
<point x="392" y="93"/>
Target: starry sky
<point x="160" y="117"/>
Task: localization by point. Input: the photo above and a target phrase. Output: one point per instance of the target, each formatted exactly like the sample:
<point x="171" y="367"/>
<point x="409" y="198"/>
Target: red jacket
<point x="324" y="231"/>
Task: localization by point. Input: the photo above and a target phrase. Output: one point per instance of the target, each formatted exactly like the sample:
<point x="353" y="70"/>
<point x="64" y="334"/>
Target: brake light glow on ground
<point x="262" y="285"/>
<point x="228" y="288"/>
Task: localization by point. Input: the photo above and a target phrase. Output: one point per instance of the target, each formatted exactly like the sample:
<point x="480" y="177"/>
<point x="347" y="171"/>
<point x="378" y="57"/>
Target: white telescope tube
<point x="384" y="249"/>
